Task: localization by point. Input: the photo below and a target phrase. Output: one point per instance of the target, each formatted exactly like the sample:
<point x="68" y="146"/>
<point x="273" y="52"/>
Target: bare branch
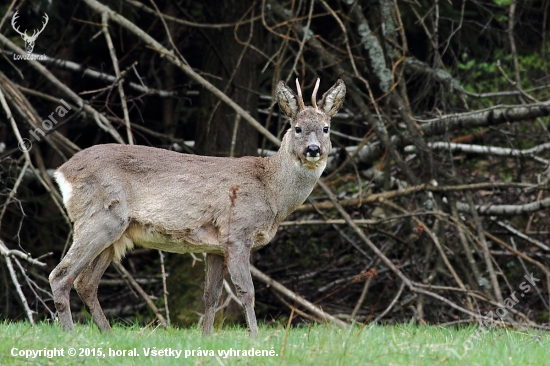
<point x="17" y="285"/>
<point x="481" y="118"/>
<point x="139" y="5"/>
<point x="291" y="295"/>
<point x="100" y="118"/>
<point x="392" y="303"/>
<point x="112" y="52"/>
<point x="16" y="253"/>
<point x="523" y="236"/>
<point x="362" y="235"/>
<point x="487" y="150"/>
<point x="506" y="210"/>
<point x="327" y="205"/>
<point x="486" y="117"/>
<point x="100" y="8"/>
<point x="87" y="72"/>
<point x="126" y="275"/>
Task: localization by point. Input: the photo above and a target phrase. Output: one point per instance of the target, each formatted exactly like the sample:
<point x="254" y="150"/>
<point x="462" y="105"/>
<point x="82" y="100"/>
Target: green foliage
<point x="487" y="76"/>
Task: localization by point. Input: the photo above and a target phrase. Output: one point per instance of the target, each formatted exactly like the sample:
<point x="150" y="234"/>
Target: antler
<point x="314" y="95"/>
<point x="300" y="100"/>
<point x="35" y="33"/>
<point x="13" y="19"/>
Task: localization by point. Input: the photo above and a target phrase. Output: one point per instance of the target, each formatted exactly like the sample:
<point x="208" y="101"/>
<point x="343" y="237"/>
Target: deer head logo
<point x="29" y="41"/>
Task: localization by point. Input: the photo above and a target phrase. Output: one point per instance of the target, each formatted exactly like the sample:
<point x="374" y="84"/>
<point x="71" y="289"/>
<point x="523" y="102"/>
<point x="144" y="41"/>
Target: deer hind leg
<point x="212" y="290"/>
<point x="90" y="240"/>
<point x="238" y="264"/>
<point x="86" y="285"/>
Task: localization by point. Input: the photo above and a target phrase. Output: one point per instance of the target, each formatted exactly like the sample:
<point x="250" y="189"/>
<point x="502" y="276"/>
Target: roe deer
<point x="120" y="195"/>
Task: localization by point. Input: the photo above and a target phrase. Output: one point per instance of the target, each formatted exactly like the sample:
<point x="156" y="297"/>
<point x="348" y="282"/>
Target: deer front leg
<point x="238" y="264"/>
<point x="212" y="290"/>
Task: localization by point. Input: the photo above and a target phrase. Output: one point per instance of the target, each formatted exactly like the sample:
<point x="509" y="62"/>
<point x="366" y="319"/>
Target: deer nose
<point x="312" y="151"/>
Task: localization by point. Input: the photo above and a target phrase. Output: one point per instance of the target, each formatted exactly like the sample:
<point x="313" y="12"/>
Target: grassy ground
<point x="316" y="345"/>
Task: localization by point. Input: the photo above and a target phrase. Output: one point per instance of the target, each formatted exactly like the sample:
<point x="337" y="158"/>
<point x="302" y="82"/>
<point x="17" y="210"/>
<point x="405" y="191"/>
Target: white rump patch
<point x="64" y="186"/>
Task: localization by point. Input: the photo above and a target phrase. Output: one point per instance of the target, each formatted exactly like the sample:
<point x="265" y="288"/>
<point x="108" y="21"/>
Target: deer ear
<point x="287" y="99"/>
<point x="334" y="97"/>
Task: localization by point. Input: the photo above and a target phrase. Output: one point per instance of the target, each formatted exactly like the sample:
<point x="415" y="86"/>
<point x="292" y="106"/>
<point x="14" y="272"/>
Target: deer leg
<point x="212" y="290"/>
<point x="238" y="264"/>
<point x="86" y="285"/>
<point x="89" y="241"/>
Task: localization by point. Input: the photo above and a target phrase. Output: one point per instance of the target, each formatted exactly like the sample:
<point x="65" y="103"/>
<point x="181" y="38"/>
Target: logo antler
<point x="29" y="40"/>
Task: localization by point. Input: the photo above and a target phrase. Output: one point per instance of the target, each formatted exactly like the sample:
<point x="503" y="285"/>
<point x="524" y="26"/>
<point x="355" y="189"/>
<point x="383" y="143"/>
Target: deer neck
<point x="290" y="181"/>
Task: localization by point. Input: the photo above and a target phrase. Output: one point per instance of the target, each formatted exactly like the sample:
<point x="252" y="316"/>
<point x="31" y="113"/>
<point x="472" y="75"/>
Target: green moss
<point x="185" y="285"/>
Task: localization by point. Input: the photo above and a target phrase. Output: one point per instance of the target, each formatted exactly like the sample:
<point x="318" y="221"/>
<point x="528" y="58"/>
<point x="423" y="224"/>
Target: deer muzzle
<point x="312" y="152"/>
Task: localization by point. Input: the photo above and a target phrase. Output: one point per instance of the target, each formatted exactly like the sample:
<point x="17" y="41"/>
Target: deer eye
<point x="325" y="129"/>
<point x="298" y="130"/>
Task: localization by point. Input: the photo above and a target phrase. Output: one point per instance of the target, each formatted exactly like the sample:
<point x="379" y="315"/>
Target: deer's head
<point x="29" y="40"/>
<point x="309" y="136"/>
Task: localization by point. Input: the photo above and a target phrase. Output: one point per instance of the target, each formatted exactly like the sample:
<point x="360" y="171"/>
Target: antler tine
<point x="13" y="19"/>
<point x="46" y="18"/>
<point x="314" y="95"/>
<point x="300" y="99"/>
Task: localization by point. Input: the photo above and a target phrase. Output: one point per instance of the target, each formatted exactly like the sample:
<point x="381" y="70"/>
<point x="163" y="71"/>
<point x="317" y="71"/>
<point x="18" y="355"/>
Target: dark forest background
<point x="435" y="202"/>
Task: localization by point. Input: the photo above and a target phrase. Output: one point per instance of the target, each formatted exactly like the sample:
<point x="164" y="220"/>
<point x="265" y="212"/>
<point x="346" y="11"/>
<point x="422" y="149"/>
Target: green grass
<point x="315" y="345"/>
